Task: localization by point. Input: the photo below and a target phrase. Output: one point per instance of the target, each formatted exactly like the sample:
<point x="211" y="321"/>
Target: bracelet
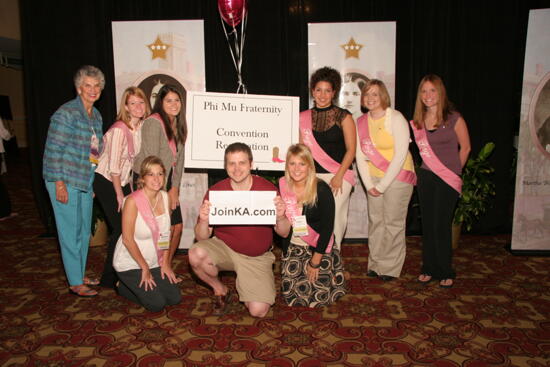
<point x="313" y="266"/>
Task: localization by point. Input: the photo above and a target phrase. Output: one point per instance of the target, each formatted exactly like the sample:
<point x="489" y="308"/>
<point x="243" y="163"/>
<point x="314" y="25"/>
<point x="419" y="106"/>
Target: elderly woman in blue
<point x="70" y="158"/>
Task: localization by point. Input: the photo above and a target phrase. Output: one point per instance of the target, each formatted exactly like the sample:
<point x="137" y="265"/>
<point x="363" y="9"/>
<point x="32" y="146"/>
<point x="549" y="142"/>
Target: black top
<point x="327" y="130"/>
<point x="320" y="217"/>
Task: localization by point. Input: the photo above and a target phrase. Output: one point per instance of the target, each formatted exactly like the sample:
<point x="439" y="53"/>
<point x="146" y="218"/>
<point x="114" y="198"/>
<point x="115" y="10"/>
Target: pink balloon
<point x="232" y="11"/>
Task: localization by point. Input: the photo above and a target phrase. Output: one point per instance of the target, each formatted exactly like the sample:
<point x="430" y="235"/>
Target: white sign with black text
<point x="242" y="207"/>
<point x="268" y="124"/>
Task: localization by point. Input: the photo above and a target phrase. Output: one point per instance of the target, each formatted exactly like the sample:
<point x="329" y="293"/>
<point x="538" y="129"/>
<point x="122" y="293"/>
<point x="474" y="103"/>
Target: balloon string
<point x="241" y="54"/>
<point x="237" y="54"/>
<point x="236" y="44"/>
<point x="229" y="44"/>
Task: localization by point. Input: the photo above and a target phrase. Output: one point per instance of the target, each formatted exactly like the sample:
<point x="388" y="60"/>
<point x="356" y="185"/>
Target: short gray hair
<point x="89" y="71"/>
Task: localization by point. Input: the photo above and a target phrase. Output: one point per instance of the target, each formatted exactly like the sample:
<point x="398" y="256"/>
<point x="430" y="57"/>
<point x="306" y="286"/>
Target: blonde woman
<point x="312" y="273"/>
<point x="386" y="168"/>
<point x="113" y="176"/>
<point x="140" y="257"/>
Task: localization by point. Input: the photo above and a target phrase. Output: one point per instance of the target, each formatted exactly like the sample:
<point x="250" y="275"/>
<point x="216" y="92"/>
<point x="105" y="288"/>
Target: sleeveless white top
<point x="123" y="261"/>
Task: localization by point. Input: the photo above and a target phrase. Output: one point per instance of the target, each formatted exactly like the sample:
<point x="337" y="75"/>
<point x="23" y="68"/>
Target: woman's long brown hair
<point x="444" y="107"/>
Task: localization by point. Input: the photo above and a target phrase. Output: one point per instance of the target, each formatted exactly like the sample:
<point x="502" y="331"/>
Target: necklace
<point x="153" y="207"/>
<point x="430" y="121"/>
<point x="299" y="194"/>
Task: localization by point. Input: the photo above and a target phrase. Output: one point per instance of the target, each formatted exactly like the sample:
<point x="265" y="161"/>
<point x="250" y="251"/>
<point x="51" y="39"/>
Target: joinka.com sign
<point x="242" y="207"/>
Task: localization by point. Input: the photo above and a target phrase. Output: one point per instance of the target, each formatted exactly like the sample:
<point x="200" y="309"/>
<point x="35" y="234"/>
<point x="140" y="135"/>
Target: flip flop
<point x="82" y="291"/>
<point x="446" y="285"/>
<point x="90" y="281"/>
<point x="425" y="281"/>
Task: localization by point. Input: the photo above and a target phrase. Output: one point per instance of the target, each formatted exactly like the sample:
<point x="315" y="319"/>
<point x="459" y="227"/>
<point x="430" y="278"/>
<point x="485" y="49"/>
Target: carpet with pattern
<point x="497" y="314"/>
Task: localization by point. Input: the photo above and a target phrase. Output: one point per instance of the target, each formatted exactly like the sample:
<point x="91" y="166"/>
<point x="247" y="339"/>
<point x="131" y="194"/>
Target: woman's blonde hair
<point x="302" y="152"/>
<point x="123" y="114"/>
<point x="385" y="99"/>
<point x="147" y="166"/>
<point x="444" y="106"/>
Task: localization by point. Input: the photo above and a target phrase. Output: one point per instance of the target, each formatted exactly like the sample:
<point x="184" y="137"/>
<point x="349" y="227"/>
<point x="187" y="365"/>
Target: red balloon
<point x="232" y="11"/>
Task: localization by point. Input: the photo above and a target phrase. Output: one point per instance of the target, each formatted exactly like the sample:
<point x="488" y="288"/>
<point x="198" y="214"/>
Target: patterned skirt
<point x="297" y="290"/>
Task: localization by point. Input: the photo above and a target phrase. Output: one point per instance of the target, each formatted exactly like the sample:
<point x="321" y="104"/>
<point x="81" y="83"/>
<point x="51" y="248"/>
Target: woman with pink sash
<point x="113" y="176"/>
<point x="442" y="138"/>
<point x="387" y="170"/>
<point x="329" y="132"/>
<point x="140" y="260"/>
<point x="163" y="135"/>
<point x="312" y="272"/>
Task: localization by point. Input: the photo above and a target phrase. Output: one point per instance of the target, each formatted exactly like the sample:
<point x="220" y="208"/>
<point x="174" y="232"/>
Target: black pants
<point x="437" y="205"/>
<point x="106" y="196"/>
<point x="5" y="203"/>
<point x="154" y="300"/>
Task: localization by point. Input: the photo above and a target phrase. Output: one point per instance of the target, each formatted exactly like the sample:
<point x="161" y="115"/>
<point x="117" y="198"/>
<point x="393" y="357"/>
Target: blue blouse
<point x="68" y="145"/>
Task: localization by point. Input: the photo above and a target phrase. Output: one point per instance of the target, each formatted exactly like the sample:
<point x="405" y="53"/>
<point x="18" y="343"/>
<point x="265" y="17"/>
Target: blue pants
<point x="73" y="221"/>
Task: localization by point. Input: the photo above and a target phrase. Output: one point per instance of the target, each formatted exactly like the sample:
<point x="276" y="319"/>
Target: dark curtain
<point x="477" y="47"/>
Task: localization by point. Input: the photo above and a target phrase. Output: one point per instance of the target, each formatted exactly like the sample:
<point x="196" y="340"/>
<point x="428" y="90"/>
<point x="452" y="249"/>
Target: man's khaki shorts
<point x="255" y="281"/>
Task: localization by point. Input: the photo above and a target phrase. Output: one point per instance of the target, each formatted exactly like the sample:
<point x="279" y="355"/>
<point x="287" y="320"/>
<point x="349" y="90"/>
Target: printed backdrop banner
<point x="360" y="51"/>
<point x="149" y="54"/>
<point x="531" y="227"/>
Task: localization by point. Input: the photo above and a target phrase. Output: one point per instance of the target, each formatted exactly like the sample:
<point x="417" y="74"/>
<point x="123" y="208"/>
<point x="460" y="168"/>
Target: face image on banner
<point x="350" y="94"/>
<point x="151" y="85"/>
<point x="539" y="117"/>
<point x="531" y="223"/>
<point x="360" y="51"/>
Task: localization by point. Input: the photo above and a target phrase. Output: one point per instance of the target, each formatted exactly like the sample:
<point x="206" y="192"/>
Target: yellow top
<point x="383" y="142"/>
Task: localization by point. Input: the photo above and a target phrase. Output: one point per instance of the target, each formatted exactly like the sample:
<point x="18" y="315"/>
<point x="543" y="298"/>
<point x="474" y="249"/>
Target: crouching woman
<point x="140" y="260"/>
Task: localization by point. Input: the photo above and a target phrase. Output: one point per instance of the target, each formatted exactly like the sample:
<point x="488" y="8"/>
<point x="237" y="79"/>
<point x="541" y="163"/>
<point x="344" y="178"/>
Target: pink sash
<point x="129" y="141"/>
<point x="367" y="147"/>
<point x="171" y="143"/>
<point x="318" y="153"/>
<point x="431" y="160"/>
<point x="144" y="208"/>
<point x="129" y="138"/>
<point x="293" y="210"/>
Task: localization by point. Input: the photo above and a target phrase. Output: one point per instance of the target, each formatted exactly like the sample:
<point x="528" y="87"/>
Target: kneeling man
<point x="245" y="249"/>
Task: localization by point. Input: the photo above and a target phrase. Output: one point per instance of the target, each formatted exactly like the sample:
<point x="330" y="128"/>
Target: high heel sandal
<point x="90" y="281"/>
<point x="82" y="291"/>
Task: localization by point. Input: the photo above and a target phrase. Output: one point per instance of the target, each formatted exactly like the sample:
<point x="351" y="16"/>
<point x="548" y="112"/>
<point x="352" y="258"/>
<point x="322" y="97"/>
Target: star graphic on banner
<point x="352" y="48"/>
<point x="158" y="49"/>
